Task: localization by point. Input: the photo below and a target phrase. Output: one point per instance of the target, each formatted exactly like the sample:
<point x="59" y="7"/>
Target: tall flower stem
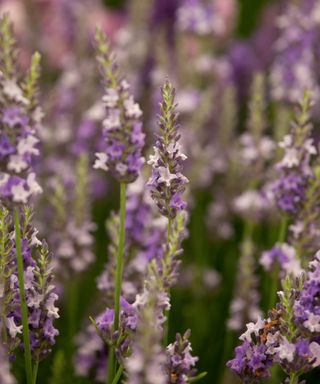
<point x="35" y="372"/>
<point x="166" y="326"/>
<point x="274" y="289"/>
<point x="293" y="378"/>
<point x="275" y="277"/>
<point x="24" y="309"/>
<point x="118" y="278"/>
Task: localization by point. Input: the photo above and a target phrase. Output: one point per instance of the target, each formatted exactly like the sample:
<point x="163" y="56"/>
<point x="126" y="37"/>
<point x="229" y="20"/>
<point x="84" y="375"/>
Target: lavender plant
<point x="20" y="123"/>
<point x="122" y="155"/>
<point x="285" y="338"/>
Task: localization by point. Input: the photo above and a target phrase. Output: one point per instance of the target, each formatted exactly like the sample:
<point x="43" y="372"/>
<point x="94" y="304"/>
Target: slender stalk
<point x="111" y="359"/>
<point x="274" y="289"/>
<point x="293" y="378"/>
<point x="118" y="375"/>
<point x="119" y="266"/>
<point x="24" y="309"/>
<point x="275" y="276"/>
<point x="118" y="278"/>
<point x="167" y="314"/>
<point x="248" y="231"/>
<point x="35" y="372"/>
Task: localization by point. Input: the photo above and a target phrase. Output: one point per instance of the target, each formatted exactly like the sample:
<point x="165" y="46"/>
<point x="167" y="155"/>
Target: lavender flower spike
<point x="122" y="128"/>
<point x="20" y="120"/>
<point x="167" y="183"/>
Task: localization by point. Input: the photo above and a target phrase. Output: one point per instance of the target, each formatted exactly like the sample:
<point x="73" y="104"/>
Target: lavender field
<point x="159" y="191"/>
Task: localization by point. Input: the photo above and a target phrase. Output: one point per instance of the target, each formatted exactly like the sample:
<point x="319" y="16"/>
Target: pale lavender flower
<point x="20" y="122"/>
<point x="201" y="17"/>
<point x="167" y="183"/>
<point x="295" y="168"/>
<point x="294" y="67"/>
<point x="181" y="362"/>
<point x="127" y="325"/>
<point x="39" y="289"/>
<point x="284" y="256"/>
<point x="122" y="127"/>
<point x="307" y="306"/>
<point x="288" y="337"/>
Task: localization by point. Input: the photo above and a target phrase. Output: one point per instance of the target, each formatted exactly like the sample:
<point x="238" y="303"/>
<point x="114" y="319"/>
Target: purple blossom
<point x="167" y="183"/>
<point x="181" y="361"/>
<point x="251" y="362"/>
<point x="39" y="289"/>
<point x="294" y="68"/>
<point x="128" y="324"/>
<point x="295" y="168"/>
<point x="20" y="118"/>
<point x="307" y="306"/>
<point x="283" y="255"/>
<point x="122" y="127"/>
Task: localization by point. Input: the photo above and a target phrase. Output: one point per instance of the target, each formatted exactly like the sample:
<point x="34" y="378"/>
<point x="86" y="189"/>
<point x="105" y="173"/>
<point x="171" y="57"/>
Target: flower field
<point x="159" y="192"/>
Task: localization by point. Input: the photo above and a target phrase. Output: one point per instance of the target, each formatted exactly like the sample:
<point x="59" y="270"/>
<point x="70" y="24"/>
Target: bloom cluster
<point x="167" y="183"/>
<point x="294" y="67"/>
<point x="122" y="128"/>
<point x="288" y="337"/>
<point x="307" y="306"/>
<point x="120" y="338"/>
<point x="39" y="290"/>
<point x="295" y="166"/>
<point x="181" y="360"/>
<point x="284" y="255"/>
<point x="20" y="121"/>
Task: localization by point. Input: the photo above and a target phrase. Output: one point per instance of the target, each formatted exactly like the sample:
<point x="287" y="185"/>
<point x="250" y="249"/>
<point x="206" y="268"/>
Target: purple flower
<point x="294" y="68"/>
<point x="295" y="168"/>
<point x="128" y="324"/>
<point x="251" y="362"/>
<point x="307" y="306"/>
<point x="39" y="288"/>
<point x="283" y="255"/>
<point x="181" y="361"/>
<point x="20" y="121"/>
<point x="122" y="128"/>
<point x="167" y="183"/>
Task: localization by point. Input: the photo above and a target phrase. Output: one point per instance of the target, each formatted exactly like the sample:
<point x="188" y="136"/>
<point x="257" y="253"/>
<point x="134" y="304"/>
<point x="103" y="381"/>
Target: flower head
<point x="167" y="183"/>
<point x="122" y="127"/>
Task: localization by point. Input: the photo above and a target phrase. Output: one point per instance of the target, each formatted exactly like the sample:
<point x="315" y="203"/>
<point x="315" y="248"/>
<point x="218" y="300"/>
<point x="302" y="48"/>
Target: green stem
<point x="166" y="325"/>
<point x="35" y="372"/>
<point x="118" y="375"/>
<point x="119" y="266"/>
<point x="118" y="278"/>
<point x="111" y="359"/>
<point x="274" y="287"/>
<point x="275" y="276"/>
<point x="24" y="309"/>
<point x="293" y="378"/>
